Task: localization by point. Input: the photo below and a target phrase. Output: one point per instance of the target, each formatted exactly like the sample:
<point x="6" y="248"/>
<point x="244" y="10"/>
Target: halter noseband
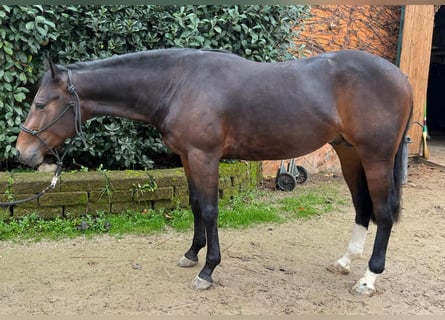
<point x="36" y="133"/>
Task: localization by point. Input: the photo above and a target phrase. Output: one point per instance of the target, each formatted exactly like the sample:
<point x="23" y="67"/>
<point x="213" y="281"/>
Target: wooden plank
<point x="415" y="62"/>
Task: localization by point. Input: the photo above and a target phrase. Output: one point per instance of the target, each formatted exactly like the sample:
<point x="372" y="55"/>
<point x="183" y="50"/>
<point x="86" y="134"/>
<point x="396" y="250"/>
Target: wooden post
<point x="415" y="63"/>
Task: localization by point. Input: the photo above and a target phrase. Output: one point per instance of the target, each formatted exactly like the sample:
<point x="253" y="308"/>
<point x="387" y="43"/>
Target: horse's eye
<point x="40" y="106"/>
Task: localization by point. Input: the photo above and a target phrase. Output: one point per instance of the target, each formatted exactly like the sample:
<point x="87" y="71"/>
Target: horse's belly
<point x="281" y="145"/>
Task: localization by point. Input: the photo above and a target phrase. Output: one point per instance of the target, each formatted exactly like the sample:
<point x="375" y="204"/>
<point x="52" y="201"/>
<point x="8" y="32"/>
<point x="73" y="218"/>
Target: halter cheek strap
<point x="77" y="112"/>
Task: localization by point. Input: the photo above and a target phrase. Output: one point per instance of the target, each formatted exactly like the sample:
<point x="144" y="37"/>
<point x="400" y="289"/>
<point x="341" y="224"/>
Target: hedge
<point x="71" y="33"/>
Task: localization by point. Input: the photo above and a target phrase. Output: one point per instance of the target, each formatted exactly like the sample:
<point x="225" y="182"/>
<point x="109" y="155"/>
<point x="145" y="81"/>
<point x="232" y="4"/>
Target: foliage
<point x="72" y="33"/>
<point x="24" y="29"/>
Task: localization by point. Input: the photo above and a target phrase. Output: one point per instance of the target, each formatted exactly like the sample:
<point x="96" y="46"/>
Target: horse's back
<point x="281" y="110"/>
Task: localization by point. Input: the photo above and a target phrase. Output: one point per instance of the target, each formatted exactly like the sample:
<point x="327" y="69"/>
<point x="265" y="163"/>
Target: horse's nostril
<point x="18" y="154"/>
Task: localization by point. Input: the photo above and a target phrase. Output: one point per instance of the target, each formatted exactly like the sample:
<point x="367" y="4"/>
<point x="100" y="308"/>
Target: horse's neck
<point x="127" y="92"/>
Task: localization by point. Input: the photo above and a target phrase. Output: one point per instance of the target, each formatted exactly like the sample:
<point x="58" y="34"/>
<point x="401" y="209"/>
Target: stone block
<point x="28" y="204"/>
<point x="79" y="198"/>
<point x="169" y="177"/>
<point x="99" y="197"/>
<point x="120" y="207"/>
<point x="121" y="195"/>
<point x="128" y="179"/>
<point x="225" y="182"/>
<point x="181" y="196"/>
<point x="82" y="181"/>
<point x="164" y="204"/>
<point x="158" y="194"/>
<point x="25" y="182"/>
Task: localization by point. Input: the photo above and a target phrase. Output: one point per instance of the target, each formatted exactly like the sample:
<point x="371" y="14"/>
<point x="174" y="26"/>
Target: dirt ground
<point x="269" y="269"/>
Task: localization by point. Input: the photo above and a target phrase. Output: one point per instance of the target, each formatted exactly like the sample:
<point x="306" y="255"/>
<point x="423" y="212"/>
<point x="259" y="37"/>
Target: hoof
<point x="186" y="262"/>
<point x="338" y="268"/>
<point x="363" y="289"/>
<point x="200" y="284"/>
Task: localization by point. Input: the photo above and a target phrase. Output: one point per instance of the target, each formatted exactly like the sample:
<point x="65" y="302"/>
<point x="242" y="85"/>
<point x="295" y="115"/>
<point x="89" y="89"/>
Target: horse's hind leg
<point x="386" y="205"/>
<point x="190" y="258"/>
<point x="355" y="178"/>
<point x="374" y="190"/>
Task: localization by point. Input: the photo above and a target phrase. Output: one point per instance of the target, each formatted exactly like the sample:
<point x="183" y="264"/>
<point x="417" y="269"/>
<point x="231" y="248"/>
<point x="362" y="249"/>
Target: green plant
<point x="180" y="219"/>
<point x="149" y="186"/>
<point x="108" y="188"/>
<point x="71" y="33"/>
<point x="9" y="191"/>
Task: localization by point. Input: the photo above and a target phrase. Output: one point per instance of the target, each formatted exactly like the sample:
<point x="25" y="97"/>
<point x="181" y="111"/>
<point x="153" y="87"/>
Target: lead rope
<point x="52" y="185"/>
<point x="78" y="127"/>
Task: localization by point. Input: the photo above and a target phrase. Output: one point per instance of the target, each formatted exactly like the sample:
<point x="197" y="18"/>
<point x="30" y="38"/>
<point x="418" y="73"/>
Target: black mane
<point x="136" y="57"/>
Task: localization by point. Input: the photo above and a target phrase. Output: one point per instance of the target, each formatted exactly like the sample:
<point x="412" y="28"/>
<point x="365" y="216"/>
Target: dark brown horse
<point x="210" y="105"/>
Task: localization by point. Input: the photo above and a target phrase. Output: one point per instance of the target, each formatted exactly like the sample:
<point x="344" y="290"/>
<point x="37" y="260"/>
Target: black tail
<point x="398" y="171"/>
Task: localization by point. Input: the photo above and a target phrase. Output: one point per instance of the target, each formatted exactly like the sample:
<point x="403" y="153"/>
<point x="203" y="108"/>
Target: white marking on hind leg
<point x="365" y="286"/>
<point x="354" y="251"/>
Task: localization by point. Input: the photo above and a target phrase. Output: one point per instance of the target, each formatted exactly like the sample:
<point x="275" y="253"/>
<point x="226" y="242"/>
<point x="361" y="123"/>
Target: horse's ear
<point x="52" y="67"/>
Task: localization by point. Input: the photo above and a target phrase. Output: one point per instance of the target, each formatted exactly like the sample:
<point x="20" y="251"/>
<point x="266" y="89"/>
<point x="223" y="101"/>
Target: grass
<point x="245" y="210"/>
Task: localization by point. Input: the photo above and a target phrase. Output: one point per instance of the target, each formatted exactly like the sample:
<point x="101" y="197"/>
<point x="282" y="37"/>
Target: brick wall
<point x="80" y="193"/>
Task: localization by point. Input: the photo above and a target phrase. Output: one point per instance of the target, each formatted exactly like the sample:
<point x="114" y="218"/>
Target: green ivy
<point x="71" y="33"/>
<point x="22" y="32"/>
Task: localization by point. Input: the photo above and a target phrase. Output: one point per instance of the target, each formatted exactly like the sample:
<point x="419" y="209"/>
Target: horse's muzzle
<point x="30" y="158"/>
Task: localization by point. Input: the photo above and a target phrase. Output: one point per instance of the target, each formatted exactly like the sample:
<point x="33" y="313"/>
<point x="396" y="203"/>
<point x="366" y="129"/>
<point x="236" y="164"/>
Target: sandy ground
<point x="268" y="269"/>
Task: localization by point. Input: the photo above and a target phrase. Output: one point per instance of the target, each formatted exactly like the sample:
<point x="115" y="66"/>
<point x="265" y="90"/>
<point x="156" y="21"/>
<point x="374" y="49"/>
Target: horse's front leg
<point x="202" y="177"/>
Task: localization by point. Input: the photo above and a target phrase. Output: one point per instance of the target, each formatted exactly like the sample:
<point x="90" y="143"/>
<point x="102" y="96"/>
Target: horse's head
<point x="51" y="119"/>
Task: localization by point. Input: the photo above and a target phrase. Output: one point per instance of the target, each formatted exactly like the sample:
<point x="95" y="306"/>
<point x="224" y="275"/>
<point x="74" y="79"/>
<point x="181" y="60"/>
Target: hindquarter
<point x="374" y="102"/>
